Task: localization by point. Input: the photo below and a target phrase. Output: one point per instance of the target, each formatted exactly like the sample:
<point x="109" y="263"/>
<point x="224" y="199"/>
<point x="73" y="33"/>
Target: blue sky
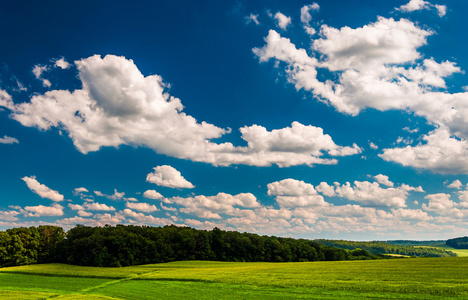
<point x="326" y="119"/>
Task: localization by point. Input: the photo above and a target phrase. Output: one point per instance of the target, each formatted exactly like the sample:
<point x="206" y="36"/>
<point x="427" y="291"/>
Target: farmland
<point x="419" y="278"/>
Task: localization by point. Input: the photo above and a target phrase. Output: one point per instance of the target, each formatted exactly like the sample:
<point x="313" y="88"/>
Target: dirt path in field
<point x="88" y="290"/>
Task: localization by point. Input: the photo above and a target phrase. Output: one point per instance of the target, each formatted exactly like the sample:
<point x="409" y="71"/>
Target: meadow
<point x="459" y="252"/>
<point x="410" y="278"/>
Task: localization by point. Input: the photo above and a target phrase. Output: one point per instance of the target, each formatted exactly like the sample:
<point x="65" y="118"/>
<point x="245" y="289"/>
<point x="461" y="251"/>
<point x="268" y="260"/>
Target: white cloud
<point x="146" y="219"/>
<point x="384" y="42"/>
<point x="293" y="145"/>
<point x="411" y="214"/>
<point x="141" y="206"/>
<point x="9" y="215"/>
<point x="441" y="153"/>
<point x="383" y="179"/>
<point x="455" y="184"/>
<point x="168" y="208"/>
<point x="62" y="63"/>
<point x="373" y="71"/>
<point x="326" y="189"/>
<point x="152" y="194"/>
<point x="210" y="207"/>
<point x="305" y="12"/>
<point x="38" y="70"/>
<point x="116" y="196"/>
<point x="415" y="5"/>
<point x="80" y="190"/>
<point x="295" y="193"/>
<point x="370" y="194"/>
<point x="5" y="100"/>
<point x="439" y="203"/>
<point x="119" y="106"/>
<point x="282" y="21"/>
<point x="252" y="18"/>
<point x="41" y="189"/>
<point x="98" y="206"/>
<point x="76" y="206"/>
<point x="441" y="10"/>
<point x="169" y="177"/>
<point x="43" y="211"/>
<point x="306" y="17"/>
<point x="8" y="140"/>
<point x="373" y="146"/>
<point x="411" y="130"/>
<point x="82" y="213"/>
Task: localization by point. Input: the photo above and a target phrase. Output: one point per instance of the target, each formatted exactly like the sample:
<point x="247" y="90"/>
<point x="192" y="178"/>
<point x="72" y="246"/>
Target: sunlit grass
<point x="418" y="278"/>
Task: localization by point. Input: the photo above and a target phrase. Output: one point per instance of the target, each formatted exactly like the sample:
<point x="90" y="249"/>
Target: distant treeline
<point x="414" y="243"/>
<point x="134" y="245"/>
<point x="384" y="248"/>
<point x="458" y="243"/>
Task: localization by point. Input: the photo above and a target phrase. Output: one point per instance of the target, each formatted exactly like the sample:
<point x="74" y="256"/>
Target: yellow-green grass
<point x="418" y="278"/>
<point x="459" y="252"/>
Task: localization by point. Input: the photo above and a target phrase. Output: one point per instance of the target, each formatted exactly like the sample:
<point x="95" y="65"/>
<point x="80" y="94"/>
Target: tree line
<point x="386" y="248"/>
<point x="458" y="243"/>
<point x="127" y="245"/>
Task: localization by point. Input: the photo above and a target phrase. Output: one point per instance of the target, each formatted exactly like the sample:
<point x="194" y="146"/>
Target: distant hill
<point x="458" y="243"/>
<point x="378" y="248"/>
<point x="414" y="243"/>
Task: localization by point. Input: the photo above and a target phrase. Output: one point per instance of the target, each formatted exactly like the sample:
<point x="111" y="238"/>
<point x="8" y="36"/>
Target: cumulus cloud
<point x="9" y="215"/>
<point x="295" y="193"/>
<point x="306" y="17"/>
<point x="282" y="21"/>
<point x="61" y="63"/>
<point x="411" y="214"/>
<point x="117" y="105"/>
<point x="379" y="66"/>
<point x="383" y="179"/>
<point x="169" y="177"/>
<point x="41" y="189"/>
<point x="456" y="184"/>
<point x="146" y="219"/>
<point x="8" y="140"/>
<point x="439" y="203"/>
<point x="98" y="206"/>
<point x="116" y="196"/>
<point x="38" y="71"/>
<point x="210" y="207"/>
<point x="43" y="211"/>
<point x="415" y="5"/>
<point x="83" y="213"/>
<point x="141" y="206"/>
<point x="152" y="194"/>
<point x="441" y="9"/>
<point x="370" y="193"/>
<point x="441" y="153"/>
<point x="80" y="190"/>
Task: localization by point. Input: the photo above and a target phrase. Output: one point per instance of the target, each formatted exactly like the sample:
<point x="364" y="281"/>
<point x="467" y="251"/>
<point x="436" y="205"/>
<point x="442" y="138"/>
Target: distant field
<point x="410" y="278"/>
<point x="459" y="252"/>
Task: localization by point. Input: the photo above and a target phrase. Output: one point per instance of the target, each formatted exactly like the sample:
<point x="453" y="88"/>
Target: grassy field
<point x="419" y="278"/>
<point x="459" y="252"/>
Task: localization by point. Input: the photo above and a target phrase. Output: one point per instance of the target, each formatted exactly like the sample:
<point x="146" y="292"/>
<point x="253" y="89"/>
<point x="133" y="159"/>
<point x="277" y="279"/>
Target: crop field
<point x="418" y="278"/>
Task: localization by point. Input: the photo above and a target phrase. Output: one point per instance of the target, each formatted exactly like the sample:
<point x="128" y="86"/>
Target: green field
<point x="419" y="278"/>
<point x="459" y="252"/>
